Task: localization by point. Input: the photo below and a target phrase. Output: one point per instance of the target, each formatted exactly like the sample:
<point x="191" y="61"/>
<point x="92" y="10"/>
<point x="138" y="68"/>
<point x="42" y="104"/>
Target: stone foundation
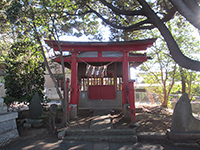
<point x="8" y="130"/>
<point x="8" y="127"/>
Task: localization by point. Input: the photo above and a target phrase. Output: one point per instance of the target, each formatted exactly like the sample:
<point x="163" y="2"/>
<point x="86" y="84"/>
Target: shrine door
<point x="102" y="88"/>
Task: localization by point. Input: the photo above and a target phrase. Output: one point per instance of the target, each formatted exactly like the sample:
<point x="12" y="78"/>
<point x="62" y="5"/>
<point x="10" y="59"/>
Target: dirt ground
<point x="149" y="118"/>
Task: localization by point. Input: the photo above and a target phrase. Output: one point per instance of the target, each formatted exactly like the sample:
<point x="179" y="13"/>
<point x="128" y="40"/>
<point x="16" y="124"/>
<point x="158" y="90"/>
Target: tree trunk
<point x="45" y="59"/>
<point x="64" y="100"/>
<point x="175" y="51"/>
<point x="183" y="80"/>
<point x="189" y="10"/>
<point x="165" y="98"/>
<point x="190" y="85"/>
<point x="44" y="56"/>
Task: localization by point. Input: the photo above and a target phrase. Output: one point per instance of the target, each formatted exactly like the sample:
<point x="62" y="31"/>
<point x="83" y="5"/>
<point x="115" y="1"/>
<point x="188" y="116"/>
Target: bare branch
<point x="127" y="28"/>
<point x="187" y="12"/>
<point x="166" y="18"/>
<point x="174" y="49"/>
<point x="170" y="14"/>
<point x="193" y="5"/>
<point x="172" y="83"/>
<point x="122" y="12"/>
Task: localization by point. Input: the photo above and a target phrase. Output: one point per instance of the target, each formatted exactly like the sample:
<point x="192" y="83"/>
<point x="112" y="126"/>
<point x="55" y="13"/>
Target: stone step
<point x="102" y="132"/>
<point x="1" y="101"/>
<point x="90" y="132"/>
<point x="101" y="120"/>
<point x="3" y="109"/>
<point x="98" y="138"/>
<point x="184" y="137"/>
<point x="8" y="128"/>
<point x="8" y="116"/>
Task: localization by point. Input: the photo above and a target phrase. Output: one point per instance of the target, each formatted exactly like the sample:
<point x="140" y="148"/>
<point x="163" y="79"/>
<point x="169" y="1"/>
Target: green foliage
<point x="77" y="17"/>
<point x="161" y="68"/>
<point x="13" y="12"/>
<point x="25" y="68"/>
<point x="169" y="104"/>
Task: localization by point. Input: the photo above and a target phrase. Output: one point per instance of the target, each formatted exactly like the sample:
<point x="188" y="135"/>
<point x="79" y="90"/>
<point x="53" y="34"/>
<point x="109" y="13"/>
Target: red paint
<point x="68" y="109"/>
<point x="136" y="45"/>
<point x="132" y="100"/>
<point x="100" y="55"/>
<point x="74" y="70"/>
<point x="94" y="92"/>
<point x="77" y="93"/>
<point x="125" y="78"/>
<point x="102" y="92"/>
<point x="108" y="92"/>
<point x="103" y="59"/>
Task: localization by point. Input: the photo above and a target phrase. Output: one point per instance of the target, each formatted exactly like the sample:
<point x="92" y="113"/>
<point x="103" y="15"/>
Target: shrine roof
<point x="135" y="45"/>
<point x="105" y="54"/>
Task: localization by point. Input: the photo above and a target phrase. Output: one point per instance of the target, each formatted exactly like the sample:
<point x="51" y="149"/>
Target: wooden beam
<point x="136" y="45"/>
<point x="103" y="59"/>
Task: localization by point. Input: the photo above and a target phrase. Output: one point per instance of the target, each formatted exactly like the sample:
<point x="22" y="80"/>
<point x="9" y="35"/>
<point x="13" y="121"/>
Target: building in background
<point x="50" y="90"/>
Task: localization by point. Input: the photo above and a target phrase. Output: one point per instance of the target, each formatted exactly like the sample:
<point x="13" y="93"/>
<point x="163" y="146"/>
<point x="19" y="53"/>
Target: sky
<point x="105" y="32"/>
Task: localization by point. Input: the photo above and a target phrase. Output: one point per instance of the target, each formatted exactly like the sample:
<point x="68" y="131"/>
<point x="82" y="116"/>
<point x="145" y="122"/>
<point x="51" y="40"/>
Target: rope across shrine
<point x="97" y="71"/>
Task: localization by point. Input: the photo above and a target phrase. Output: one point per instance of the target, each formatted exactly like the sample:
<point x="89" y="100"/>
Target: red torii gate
<point x="124" y="47"/>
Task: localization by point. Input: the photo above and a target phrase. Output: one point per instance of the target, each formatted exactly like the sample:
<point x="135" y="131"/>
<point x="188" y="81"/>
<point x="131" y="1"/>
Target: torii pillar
<point x="74" y="70"/>
<point x="125" y="78"/>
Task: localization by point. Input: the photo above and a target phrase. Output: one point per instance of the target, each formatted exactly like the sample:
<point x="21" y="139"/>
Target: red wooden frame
<point x="103" y="59"/>
<point x="125" y="47"/>
<point x="101" y="92"/>
<point x="136" y="45"/>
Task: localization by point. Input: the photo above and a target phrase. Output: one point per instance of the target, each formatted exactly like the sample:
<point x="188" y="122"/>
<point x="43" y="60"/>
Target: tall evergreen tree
<point x="25" y="72"/>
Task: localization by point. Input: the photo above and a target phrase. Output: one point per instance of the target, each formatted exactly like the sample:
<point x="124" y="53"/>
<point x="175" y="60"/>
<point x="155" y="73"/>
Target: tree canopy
<point x="80" y="17"/>
<point x="25" y="72"/>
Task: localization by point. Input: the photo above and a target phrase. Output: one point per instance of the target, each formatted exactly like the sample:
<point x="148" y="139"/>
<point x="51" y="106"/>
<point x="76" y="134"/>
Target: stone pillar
<point x="183" y="120"/>
<point x="8" y="127"/>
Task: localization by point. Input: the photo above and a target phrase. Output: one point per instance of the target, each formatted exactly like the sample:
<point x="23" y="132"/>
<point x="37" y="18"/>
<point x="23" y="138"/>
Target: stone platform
<point x="101" y="130"/>
<point x="8" y="127"/>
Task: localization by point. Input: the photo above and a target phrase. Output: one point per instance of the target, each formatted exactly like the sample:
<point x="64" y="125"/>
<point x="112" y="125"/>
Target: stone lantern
<point x="8" y="127"/>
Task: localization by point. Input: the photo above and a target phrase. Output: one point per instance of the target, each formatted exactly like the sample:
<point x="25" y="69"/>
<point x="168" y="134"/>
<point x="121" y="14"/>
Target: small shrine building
<point x="100" y="72"/>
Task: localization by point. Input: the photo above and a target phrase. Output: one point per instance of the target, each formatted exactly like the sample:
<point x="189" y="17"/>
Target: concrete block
<point x="152" y="136"/>
<point x="7" y="126"/>
<point x="1" y="101"/>
<point x="73" y="112"/>
<point x="7" y="137"/>
<point x="35" y="123"/>
<point x="126" y="112"/>
<point x="101" y="146"/>
<point x="8" y="116"/>
<point x="27" y="125"/>
<point x="3" y="109"/>
<point x="61" y="134"/>
<point x="183" y="137"/>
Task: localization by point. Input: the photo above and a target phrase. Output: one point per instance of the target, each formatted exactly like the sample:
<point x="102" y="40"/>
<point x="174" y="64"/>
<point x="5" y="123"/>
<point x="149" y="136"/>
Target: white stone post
<point x="8" y="127"/>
